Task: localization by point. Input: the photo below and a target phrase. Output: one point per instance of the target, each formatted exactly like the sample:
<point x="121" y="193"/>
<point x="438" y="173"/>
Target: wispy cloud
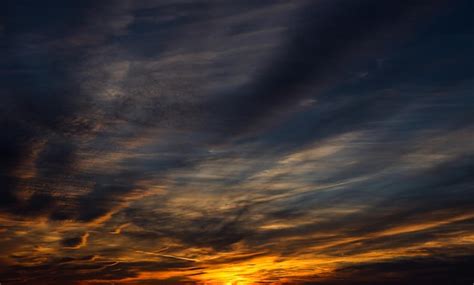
<point x="236" y="142"/>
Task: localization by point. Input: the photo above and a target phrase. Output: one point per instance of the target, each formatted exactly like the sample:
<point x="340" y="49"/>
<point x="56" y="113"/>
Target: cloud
<point x="75" y="242"/>
<point x="278" y="142"/>
<point x="419" y="271"/>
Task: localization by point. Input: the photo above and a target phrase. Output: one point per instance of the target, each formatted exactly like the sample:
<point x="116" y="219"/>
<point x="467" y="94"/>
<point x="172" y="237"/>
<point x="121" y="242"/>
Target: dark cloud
<point x="325" y="38"/>
<point x="181" y="142"/>
<point x="414" y="271"/>
<point x="75" y="242"/>
<point x="67" y="273"/>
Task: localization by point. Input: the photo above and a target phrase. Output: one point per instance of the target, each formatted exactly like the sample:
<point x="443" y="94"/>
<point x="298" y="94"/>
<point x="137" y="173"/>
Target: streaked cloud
<point x="236" y="142"/>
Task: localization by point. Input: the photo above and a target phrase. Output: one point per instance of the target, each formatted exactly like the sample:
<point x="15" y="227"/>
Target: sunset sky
<point x="236" y="142"/>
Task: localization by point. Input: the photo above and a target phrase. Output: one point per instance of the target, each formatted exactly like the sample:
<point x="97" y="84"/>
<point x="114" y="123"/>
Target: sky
<point x="220" y="142"/>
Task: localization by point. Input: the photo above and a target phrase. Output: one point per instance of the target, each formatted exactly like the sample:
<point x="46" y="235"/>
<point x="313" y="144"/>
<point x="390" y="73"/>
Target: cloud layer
<point x="237" y="142"/>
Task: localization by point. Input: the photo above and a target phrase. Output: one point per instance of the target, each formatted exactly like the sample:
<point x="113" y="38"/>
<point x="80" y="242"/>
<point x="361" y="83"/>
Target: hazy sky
<point x="236" y="142"/>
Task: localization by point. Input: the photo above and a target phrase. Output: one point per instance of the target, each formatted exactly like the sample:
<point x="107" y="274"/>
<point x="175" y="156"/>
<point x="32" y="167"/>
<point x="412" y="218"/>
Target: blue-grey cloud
<point x="279" y="142"/>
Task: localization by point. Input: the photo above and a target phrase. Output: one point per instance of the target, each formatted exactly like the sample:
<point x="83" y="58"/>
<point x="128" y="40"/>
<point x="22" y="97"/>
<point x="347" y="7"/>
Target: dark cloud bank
<point x="168" y="142"/>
